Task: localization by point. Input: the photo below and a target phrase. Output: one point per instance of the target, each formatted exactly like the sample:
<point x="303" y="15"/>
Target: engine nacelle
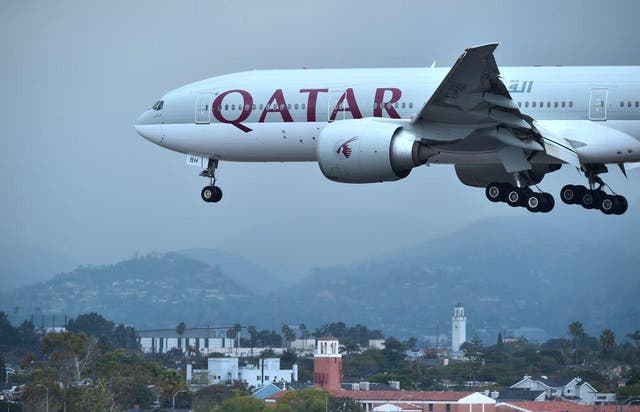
<point x="480" y="175"/>
<point x="368" y="151"/>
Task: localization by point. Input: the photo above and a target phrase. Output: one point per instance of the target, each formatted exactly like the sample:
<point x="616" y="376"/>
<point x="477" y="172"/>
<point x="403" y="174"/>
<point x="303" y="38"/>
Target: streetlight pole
<point x="173" y="403"/>
<point x="47" y="389"/>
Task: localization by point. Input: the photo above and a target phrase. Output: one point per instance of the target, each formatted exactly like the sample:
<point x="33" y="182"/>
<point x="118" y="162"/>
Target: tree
<point x="394" y="354"/>
<point x="635" y="336"/>
<point x="243" y="404"/>
<point x="96" y="397"/>
<point x="288" y="334"/>
<point x="607" y="341"/>
<point x="304" y="331"/>
<point x="303" y="400"/>
<point x="576" y="330"/>
<point x="181" y="328"/>
<point x="208" y="398"/>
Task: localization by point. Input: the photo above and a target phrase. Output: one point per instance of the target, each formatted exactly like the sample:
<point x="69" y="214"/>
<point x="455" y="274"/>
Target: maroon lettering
<point x="312" y="101"/>
<point x="247" y="102"/>
<point x="379" y="102"/>
<point x="280" y="107"/>
<point x="352" y="106"/>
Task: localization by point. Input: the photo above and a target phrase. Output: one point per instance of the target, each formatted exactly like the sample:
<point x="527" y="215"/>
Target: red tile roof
<point x="563" y="406"/>
<point x="402" y="395"/>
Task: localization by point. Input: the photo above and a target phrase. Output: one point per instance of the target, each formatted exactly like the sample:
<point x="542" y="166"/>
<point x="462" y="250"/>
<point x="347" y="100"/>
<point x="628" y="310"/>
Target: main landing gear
<point x="211" y="193"/>
<point x="520" y="197"/>
<point x="594" y="197"/>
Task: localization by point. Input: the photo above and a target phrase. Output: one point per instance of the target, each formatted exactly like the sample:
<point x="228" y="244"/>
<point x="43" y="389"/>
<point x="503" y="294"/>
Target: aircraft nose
<point x="143" y="127"/>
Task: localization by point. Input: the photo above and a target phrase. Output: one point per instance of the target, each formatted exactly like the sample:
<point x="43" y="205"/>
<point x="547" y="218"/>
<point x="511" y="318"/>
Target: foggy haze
<point x="75" y="178"/>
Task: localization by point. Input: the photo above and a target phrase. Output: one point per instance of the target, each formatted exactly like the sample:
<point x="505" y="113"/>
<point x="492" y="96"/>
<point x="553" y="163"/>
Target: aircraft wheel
<point x="535" y="202"/>
<point x="569" y="194"/>
<point x="217" y="194"/>
<point x="517" y="196"/>
<point x="621" y="204"/>
<point x="608" y="204"/>
<point x="208" y="193"/>
<point x="497" y="192"/>
<point x="589" y="200"/>
<point x="550" y="202"/>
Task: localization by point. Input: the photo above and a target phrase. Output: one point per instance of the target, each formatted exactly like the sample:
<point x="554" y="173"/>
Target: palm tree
<point x="607" y="340"/>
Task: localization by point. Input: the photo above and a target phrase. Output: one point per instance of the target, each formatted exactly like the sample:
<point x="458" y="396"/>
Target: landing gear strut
<point x="594" y="197"/>
<point x="211" y="193"/>
<point x="520" y="197"/>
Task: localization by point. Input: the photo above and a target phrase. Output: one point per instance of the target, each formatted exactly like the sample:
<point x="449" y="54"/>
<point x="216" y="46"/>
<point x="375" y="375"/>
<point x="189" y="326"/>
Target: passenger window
<point x="555" y="104"/>
<point x="519" y="104"/>
<point x="289" y="106"/>
<point x="226" y="107"/>
<point x="281" y="106"/>
<point x="304" y="106"/>
<point x="533" y="104"/>
<point x="375" y="105"/>
<point x="246" y="107"/>
<point x="526" y="104"/>
<point x="410" y="105"/>
<point x="548" y="104"/>
<point x="629" y="103"/>
<point x="396" y="105"/>
<point x="621" y="104"/>
<point x="570" y="104"/>
<point x="637" y="103"/>
<point x="563" y="104"/>
<point x="295" y="106"/>
<point x="541" y="104"/>
<point x="253" y="106"/>
<point x="404" y="105"/>
<point x="233" y="107"/>
<point x="260" y="107"/>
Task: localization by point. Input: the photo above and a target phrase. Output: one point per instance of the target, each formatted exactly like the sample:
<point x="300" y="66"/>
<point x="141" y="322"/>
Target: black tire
<point x="550" y="202"/>
<point x="217" y="194"/>
<point x="496" y="192"/>
<point x="589" y="199"/>
<point x="621" y="204"/>
<point x="516" y="197"/>
<point x="535" y="202"/>
<point x="569" y="194"/>
<point x="608" y="204"/>
<point x="207" y="193"/>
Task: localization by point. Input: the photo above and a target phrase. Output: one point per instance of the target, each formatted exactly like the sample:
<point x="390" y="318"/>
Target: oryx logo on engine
<point x="345" y="149"/>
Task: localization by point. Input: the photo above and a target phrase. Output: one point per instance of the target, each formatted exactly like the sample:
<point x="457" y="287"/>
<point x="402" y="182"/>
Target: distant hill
<point x="158" y="290"/>
<point x="244" y="272"/>
<point x="525" y="271"/>
<point x="527" y="275"/>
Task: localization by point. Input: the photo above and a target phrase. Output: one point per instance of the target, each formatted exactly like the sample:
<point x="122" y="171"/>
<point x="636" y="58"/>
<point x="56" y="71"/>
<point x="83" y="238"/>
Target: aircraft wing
<point x="472" y="99"/>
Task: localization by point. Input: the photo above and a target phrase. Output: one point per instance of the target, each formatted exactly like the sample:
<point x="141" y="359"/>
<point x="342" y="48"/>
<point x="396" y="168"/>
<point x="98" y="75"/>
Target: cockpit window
<point x="157" y="105"/>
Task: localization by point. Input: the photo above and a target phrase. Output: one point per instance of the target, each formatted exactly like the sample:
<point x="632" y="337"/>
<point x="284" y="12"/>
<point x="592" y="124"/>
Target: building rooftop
<point x="560" y="406"/>
<point x="518" y="394"/>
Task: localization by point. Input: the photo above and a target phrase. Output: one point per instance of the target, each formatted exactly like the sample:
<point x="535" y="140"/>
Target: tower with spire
<point x="458" y="328"/>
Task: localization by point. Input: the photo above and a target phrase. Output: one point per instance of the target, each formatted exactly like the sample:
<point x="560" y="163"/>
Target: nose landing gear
<point x="211" y="193"/>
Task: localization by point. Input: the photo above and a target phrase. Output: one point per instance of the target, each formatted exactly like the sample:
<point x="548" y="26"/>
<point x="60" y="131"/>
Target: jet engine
<point x="368" y="151"/>
<point x="480" y="175"/>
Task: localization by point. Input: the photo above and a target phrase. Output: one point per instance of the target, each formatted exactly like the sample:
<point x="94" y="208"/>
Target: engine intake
<point x="368" y="151"/>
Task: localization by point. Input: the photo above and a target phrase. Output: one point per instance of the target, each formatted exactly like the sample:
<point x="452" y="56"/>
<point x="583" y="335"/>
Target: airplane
<point x="503" y="130"/>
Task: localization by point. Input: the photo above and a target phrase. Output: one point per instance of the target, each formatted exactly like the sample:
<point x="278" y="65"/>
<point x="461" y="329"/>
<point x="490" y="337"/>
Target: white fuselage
<point x="276" y="115"/>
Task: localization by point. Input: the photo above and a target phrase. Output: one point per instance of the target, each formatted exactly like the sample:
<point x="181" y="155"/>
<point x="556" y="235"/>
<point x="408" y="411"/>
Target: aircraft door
<point x="335" y="111"/>
<point x="203" y="108"/>
<point x="598" y="104"/>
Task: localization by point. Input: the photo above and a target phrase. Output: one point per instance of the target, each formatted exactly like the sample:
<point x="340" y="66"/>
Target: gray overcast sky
<point x="76" y="178"/>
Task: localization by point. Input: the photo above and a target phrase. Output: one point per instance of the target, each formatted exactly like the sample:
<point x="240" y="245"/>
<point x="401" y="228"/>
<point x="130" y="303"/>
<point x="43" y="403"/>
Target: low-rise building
<point x="572" y="389"/>
<point x="202" y="340"/>
<point x="227" y="370"/>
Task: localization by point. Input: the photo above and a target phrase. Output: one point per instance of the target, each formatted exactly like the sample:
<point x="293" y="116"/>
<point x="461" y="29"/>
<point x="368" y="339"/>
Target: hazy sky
<point x="76" y="178"/>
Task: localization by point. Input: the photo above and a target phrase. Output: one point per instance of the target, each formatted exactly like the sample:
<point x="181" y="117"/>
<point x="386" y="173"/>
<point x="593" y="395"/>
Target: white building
<point x="226" y="370"/>
<point x="458" y="328"/>
<point x="575" y="390"/>
<point x="204" y="340"/>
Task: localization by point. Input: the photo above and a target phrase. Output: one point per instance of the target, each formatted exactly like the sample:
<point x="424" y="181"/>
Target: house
<point x="572" y="389"/>
<point x="203" y="340"/>
<point x="519" y="394"/>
